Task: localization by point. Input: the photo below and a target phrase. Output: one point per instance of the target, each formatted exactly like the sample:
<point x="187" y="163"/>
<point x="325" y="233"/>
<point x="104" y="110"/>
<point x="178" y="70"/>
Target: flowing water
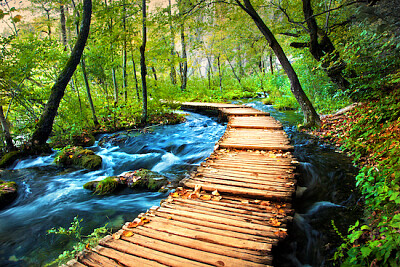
<point x="51" y="196"/>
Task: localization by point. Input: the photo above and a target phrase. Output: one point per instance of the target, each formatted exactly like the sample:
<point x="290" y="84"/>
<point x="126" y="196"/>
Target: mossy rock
<point x="146" y="179"/>
<point x="140" y="179"/>
<point x="84" y="140"/>
<point x="9" y="158"/>
<point x="79" y="157"/>
<point x="105" y="186"/>
<point x="8" y="192"/>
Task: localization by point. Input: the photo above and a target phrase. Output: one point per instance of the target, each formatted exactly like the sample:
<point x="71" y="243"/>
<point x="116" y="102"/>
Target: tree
<point x="45" y="124"/>
<point x="143" y="70"/>
<point x="311" y="118"/>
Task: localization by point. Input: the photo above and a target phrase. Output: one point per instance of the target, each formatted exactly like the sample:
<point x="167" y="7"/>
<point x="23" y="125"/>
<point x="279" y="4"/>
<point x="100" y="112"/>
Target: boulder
<point x="79" y="157"/>
<point x="139" y="179"/>
<point x="8" y="192"/>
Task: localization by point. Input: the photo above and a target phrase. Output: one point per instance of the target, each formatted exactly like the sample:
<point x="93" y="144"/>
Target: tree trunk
<point x="6" y="130"/>
<point x="219" y="73"/>
<point x="124" y="56"/>
<point x="319" y="49"/>
<point x="171" y="29"/>
<point x="45" y="125"/>
<point x="271" y="64"/>
<point x="89" y="95"/>
<point x="136" y="80"/>
<point x="311" y="117"/>
<point x="143" y="70"/>
<point x="184" y="58"/>
<point x="63" y="27"/>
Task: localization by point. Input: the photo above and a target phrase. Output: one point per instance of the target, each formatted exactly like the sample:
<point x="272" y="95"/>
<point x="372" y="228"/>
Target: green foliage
<point x="106" y="186"/>
<point x="80" y="241"/>
<point x="372" y="135"/>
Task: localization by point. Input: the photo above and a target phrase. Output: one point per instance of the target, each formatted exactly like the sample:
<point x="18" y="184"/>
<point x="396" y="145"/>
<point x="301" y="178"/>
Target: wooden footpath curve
<point x="230" y="212"/>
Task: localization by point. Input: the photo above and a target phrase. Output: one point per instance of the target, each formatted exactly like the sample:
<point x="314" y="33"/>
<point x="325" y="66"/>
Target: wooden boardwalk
<point x="230" y="212"/>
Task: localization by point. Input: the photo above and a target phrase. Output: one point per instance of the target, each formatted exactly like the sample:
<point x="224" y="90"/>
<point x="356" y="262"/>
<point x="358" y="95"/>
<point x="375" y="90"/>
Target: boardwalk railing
<point x="230" y="212"/>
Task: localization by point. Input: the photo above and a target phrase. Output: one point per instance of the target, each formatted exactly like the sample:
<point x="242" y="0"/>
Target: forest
<point x="74" y="69"/>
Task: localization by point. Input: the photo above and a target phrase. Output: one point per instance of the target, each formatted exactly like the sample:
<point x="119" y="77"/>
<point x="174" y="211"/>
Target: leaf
<point x="127" y="233"/>
<point x="116" y="236"/>
<point x="205" y="197"/>
<point x="275" y="222"/>
<point x="215" y="193"/>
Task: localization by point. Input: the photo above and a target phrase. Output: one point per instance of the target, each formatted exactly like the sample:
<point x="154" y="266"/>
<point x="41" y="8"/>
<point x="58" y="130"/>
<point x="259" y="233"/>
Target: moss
<point x="149" y="180"/>
<point x="9" y="158"/>
<point x="79" y="157"/>
<point x="8" y="192"/>
<point x="107" y="186"/>
<point x="91" y="185"/>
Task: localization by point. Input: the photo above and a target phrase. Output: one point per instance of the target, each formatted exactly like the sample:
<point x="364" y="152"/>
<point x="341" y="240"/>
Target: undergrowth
<point x="371" y="135"/>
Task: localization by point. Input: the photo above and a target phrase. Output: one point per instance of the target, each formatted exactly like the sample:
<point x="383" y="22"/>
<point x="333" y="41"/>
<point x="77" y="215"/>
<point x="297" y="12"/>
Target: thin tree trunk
<point x="45" y="125"/>
<point x="153" y="69"/>
<point x="63" y="27"/>
<point x="124" y="56"/>
<point x="319" y="49"/>
<point x="233" y="71"/>
<point x="6" y="130"/>
<point x="75" y="87"/>
<point x="89" y="95"/>
<point x="172" y="60"/>
<point x="219" y="73"/>
<point x="184" y="58"/>
<point x="143" y="70"/>
<point x="85" y="78"/>
<point x="311" y="117"/>
<point x="136" y="80"/>
<point x="271" y="64"/>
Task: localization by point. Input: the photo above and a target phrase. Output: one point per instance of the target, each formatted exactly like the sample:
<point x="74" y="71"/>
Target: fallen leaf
<point x="127" y="233"/>
<point x="132" y="225"/>
<point x="275" y="222"/>
<point x="215" y="193"/>
<point x="216" y="198"/>
<point x="116" y="236"/>
<point x="205" y="197"/>
<point x="245" y="201"/>
<point x="281" y="234"/>
<point x="88" y="246"/>
<point x="175" y="194"/>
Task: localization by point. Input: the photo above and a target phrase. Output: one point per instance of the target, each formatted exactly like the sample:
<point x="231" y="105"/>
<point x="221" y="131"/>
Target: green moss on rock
<point x="9" y="158"/>
<point x="79" y="157"/>
<point x="8" y="192"/>
<point x="140" y="179"/>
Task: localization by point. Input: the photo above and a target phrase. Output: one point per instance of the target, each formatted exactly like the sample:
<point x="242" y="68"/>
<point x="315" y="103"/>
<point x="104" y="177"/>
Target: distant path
<point x="230" y="212"/>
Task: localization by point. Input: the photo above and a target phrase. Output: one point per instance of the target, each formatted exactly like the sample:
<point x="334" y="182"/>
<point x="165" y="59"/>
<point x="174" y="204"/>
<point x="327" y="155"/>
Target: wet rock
<point x="79" y="157"/>
<point x="8" y="192"/>
<point x="139" y="179"/>
<point x="9" y="158"/>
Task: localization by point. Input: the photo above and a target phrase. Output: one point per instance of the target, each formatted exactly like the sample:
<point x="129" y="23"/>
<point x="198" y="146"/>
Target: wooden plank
<point x="74" y="263"/>
<point x="253" y="146"/>
<point x="157" y="255"/>
<point x="247" y="184"/>
<point x="93" y="259"/>
<point x="192" y="219"/>
<point x="249" y="192"/>
<point x="268" y="171"/>
<point x="267" y="230"/>
<point x="165" y="241"/>
<point x="224" y="179"/>
<point x="123" y="258"/>
<point x="217" y="205"/>
<point x="238" y="165"/>
<point x="212" y="230"/>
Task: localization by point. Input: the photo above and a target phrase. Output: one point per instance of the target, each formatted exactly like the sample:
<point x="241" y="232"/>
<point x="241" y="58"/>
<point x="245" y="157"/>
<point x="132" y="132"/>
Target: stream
<point x="51" y="196"/>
